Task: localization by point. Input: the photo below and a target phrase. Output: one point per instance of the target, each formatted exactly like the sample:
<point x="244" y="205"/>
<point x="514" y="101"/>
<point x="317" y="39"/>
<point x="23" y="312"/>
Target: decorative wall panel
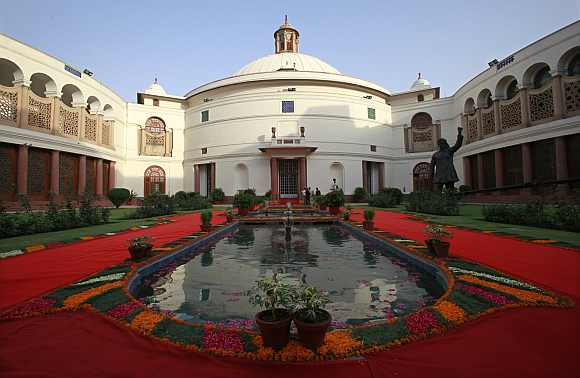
<point x="572" y="96"/>
<point x="8" y="103"/>
<point x="91" y="176"/>
<point x="39" y="112"/>
<point x="541" y="105"/>
<point x="91" y="128"/>
<point x="8" y="158"/>
<point x="487" y="123"/>
<point x="38" y="173"/>
<point x="69" y="168"/>
<point x="68" y="121"/>
<point x="511" y="114"/>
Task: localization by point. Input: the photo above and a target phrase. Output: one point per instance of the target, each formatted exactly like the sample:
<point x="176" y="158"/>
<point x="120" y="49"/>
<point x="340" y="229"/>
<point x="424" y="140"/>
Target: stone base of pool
<point x="459" y="292"/>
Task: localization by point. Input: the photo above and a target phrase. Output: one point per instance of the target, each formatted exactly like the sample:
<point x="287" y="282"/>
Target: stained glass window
<point x="287" y="106"/>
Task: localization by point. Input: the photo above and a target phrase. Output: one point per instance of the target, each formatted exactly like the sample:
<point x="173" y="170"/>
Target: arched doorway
<point x="242" y="177"/>
<point x="154" y="180"/>
<point x="422" y="180"/>
<point x="337" y="172"/>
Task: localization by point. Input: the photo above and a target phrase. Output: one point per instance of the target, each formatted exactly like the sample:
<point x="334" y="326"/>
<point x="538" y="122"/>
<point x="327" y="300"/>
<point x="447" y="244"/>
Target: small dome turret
<point x="156" y="89"/>
<point x="420" y="83"/>
<point x="286" y="38"/>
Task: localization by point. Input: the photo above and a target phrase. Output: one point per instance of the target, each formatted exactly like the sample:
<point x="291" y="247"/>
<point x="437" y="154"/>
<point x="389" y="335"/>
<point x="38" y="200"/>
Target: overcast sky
<point x="189" y="43"/>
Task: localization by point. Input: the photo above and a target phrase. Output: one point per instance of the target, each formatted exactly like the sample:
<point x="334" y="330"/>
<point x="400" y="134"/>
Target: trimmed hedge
<point x="433" y="203"/>
<point x="565" y="216"/>
<point x="387" y="197"/>
<point x="118" y="196"/>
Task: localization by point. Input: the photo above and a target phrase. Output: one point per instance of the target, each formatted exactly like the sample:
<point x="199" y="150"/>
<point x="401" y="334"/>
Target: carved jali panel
<point x="91" y="129"/>
<point x="511" y="115"/>
<point x="38" y="172"/>
<point x="572" y="96"/>
<point x="487" y="123"/>
<point x="541" y="105"/>
<point x="68" y="122"/>
<point x="8" y="102"/>
<point x="39" y="114"/>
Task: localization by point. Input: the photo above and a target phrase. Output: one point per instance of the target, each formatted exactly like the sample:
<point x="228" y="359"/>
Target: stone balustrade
<point x="20" y="107"/>
<point x="530" y="107"/>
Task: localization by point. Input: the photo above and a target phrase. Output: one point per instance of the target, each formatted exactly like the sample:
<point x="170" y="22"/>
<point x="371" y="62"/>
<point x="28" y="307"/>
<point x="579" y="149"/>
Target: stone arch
<point x="506" y="88"/>
<point x="43" y="85"/>
<point x="422" y="180"/>
<point x="337" y="172"/>
<point x="154" y="180"/>
<point x="537" y="75"/>
<point x="9" y="73"/>
<point x="108" y="111"/>
<point x="469" y="107"/>
<point x="155" y="125"/>
<point x="93" y="104"/>
<point x="241" y="177"/>
<point x="484" y="99"/>
<point x="569" y="62"/>
<point x="72" y="95"/>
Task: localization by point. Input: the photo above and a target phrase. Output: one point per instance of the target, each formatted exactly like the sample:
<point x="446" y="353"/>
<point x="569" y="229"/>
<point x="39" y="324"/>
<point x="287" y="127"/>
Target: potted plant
<point x="206" y="216"/>
<point x="140" y="247"/>
<point x="436" y="243"/>
<point x="244" y="201"/>
<point x="368" y="223"/>
<point x="229" y="215"/>
<point x="321" y="202"/>
<point x="277" y="299"/>
<point x="334" y="200"/>
<point x="312" y="320"/>
<point x="346" y="215"/>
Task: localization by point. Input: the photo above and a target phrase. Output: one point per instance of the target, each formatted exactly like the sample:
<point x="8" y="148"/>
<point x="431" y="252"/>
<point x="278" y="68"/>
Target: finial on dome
<point x="420" y="83"/>
<point x="286" y="38"/>
<point x="285" y="19"/>
<point x="418" y="75"/>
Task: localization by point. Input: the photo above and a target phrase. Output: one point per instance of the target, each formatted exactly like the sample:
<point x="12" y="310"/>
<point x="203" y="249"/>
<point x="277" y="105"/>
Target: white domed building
<point x="286" y="121"/>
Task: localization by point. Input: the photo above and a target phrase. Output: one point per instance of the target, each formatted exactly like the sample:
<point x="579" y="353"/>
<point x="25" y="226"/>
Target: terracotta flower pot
<point x="438" y="248"/>
<point x="369" y="225"/>
<point x="138" y="253"/>
<point x="275" y="333"/>
<point x="205" y="227"/>
<point x="243" y="211"/>
<point x="312" y="334"/>
<point x="334" y="210"/>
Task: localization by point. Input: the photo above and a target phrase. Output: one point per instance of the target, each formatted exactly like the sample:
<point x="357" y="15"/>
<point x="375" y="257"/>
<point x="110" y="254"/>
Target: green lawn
<point x="471" y="216"/>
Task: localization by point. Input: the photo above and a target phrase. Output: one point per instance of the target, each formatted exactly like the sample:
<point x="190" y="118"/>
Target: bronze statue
<point x="443" y="171"/>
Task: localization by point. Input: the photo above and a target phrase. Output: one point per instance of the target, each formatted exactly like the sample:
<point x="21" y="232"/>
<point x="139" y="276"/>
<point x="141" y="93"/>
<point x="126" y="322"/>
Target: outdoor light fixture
<point x="493" y="63"/>
<point x="368" y="97"/>
<point x="87" y="72"/>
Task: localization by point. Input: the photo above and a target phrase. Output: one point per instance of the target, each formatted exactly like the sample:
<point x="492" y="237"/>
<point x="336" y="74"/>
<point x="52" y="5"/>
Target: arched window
<point x="469" y="107"/>
<point x="422" y="177"/>
<point x="506" y="88"/>
<point x="242" y="177"/>
<point x="155" y="125"/>
<point x="42" y="84"/>
<point x="569" y="62"/>
<point x="72" y="95"/>
<point x="154" y="180"/>
<point x="484" y="99"/>
<point x="512" y="89"/>
<point x="542" y="77"/>
<point x="574" y="66"/>
<point x="337" y="172"/>
<point x="9" y="72"/>
<point x="422" y="132"/>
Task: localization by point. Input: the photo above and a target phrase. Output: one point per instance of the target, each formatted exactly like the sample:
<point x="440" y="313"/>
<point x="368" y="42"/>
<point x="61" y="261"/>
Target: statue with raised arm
<point x="443" y="171"/>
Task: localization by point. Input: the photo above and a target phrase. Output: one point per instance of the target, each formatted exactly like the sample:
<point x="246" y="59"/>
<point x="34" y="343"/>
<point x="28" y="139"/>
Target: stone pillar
<point x="197" y="178"/>
<point x="82" y="174"/>
<point x="22" y="167"/>
<point x="480" y="175"/>
<point x="525" y="106"/>
<point x="112" y="175"/>
<point x="364" y="176"/>
<point x="558" y="98"/>
<point x="302" y="176"/>
<point x="381" y="175"/>
<point x="496" y="116"/>
<point x="99" y="178"/>
<point x="527" y="172"/>
<point x="55" y="172"/>
<point x="561" y="163"/>
<point x="467" y="173"/>
<point x="498" y="155"/>
<point x="213" y="180"/>
<point x="274" y="178"/>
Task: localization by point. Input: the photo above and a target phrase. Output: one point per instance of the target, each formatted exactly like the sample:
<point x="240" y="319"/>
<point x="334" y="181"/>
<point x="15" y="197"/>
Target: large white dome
<point x="287" y="61"/>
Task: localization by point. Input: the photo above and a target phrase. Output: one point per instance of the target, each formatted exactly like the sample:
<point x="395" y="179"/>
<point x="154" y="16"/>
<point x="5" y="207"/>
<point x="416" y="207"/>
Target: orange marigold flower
<point x="296" y="352"/>
<point x="450" y="311"/>
<point x="339" y="343"/>
<point x="523" y="295"/>
<point x="146" y="321"/>
<point x="74" y="301"/>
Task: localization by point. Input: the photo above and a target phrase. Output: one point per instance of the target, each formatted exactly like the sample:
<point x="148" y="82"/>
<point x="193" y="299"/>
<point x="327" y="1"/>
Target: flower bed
<point x="474" y="291"/>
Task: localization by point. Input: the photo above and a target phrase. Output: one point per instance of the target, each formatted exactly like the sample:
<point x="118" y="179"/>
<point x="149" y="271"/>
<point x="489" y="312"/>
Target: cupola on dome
<point x="420" y="83"/>
<point x="156" y="89"/>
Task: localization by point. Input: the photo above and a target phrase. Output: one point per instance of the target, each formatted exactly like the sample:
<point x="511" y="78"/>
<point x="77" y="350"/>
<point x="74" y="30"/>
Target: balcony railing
<point x="530" y="107"/>
<point x="20" y="107"/>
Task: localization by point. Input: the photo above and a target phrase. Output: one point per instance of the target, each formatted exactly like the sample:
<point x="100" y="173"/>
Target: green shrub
<point x="118" y="196"/>
<point x="245" y="199"/>
<point x="395" y="193"/>
<point x="566" y="216"/>
<point x="154" y="205"/>
<point x="359" y="195"/>
<point x="190" y="201"/>
<point x="433" y="203"/>
<point x="385" y="198"/>
<point x="464" y="188"/>
<point x="369" y="215"/>
<point x="268" y="195"/>
<point x="217" y="195"/>
<point x="334" y="198"/>
<point x="206" y="216"/>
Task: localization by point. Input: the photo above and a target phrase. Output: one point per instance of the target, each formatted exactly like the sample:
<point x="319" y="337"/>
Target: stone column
<point x="302" y="177"/>
<point x="197" y="178"/>
<point x="557" y="94"/>
<point x="213" y="179"/>
<point x="364" y="176"/>
<point x="496" y="116"/>
<point x="274" y="177"/>
<point x="82" y="174"/>
<point x="527" y="172"/>
<point x="498" y="155"/>
<point x="112" y="175"/>
<point x="561" y="163"/>
<point x="480" y="175"/>
<point x="467" y="173"/>
<point x="99" y="178"/>
<point x="525" y="106"/>
<point x="22" y="167"/>
<point x="55" y="172"/>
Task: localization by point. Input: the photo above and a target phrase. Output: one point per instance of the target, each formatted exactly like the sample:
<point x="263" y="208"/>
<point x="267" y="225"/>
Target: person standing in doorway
<point x="317" y="192"/>
<point x="307" y="196"/>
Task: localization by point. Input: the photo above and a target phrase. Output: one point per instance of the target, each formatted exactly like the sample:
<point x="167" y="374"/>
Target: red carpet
<point x="532" y="342"/>
<point x="28" y="276"/>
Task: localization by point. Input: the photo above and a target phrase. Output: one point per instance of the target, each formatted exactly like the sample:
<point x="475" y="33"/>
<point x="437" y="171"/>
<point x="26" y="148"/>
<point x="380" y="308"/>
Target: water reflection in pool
<point x="364" y="280"/>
